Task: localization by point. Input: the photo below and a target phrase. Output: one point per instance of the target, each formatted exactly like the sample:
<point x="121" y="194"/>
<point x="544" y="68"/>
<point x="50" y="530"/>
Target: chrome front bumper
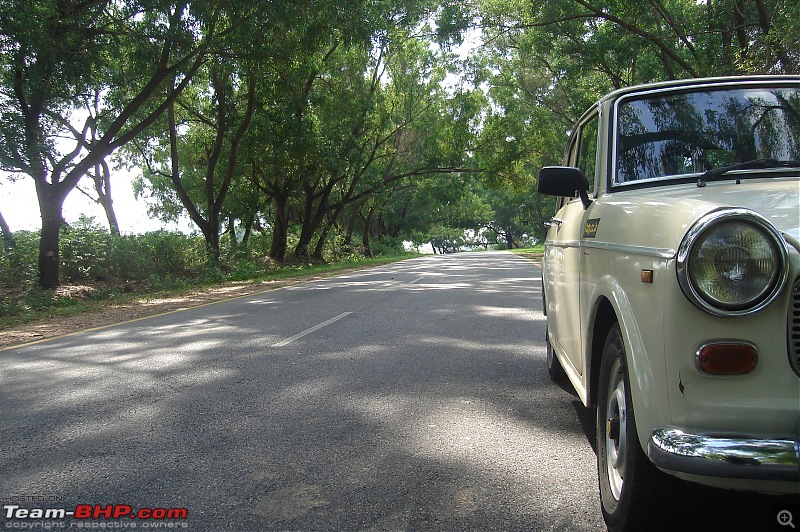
<point x="724" y="456"/>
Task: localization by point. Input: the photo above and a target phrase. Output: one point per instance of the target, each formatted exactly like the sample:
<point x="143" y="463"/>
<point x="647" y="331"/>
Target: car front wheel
<point x="634" y="494"/>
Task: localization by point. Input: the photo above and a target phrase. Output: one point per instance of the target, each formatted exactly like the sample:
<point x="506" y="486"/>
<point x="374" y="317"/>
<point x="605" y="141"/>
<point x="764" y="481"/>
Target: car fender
<point x="646" y="364"/>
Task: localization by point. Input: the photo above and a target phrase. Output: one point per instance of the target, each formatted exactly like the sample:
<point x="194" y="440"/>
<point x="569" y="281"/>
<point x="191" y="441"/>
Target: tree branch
<point x="658" y="43"/>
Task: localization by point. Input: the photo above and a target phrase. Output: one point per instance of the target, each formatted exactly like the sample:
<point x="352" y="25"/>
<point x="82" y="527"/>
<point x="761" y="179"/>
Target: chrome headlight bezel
<point x="701" y="228"/>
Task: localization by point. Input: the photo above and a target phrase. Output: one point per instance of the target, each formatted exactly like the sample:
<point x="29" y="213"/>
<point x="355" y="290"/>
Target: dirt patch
<point x="535" y="256"/>
<point x="112" y="313"/>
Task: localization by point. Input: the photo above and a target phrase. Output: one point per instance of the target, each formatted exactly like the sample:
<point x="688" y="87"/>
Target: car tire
<point x="554" y="368"/>
<point x="634" y="494"/>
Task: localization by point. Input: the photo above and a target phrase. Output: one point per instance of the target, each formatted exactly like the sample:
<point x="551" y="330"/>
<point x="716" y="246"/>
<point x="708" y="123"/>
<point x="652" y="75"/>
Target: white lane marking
<point x="311" y="330"/>
<point x="417" y="280"/>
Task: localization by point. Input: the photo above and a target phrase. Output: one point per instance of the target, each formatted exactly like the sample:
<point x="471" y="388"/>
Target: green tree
<point x="369" y="119"/>
<point x="57" y="53"/>
<point x="516" y="215"/>
<point x="199" y="149"/>
<point x="545" y="63"/>
<point x="292" y="158"/>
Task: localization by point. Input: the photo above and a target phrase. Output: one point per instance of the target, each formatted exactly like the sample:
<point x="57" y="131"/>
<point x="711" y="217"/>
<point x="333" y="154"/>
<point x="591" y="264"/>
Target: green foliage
<point x="97" y="265"/>
<point x="19" y="261"/>
<point x="328" y="127"/>
<point x="89" y="253"/>
<point x="445" y="239"/>
<point x="387" y="247"/>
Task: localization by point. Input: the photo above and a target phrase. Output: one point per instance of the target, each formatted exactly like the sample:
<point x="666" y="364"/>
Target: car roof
<point x="699" y="82"/>
<point x="687" y="83"/>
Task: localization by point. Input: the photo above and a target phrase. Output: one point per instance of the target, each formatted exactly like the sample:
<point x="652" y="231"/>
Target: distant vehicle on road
<point x="671" y="280"/>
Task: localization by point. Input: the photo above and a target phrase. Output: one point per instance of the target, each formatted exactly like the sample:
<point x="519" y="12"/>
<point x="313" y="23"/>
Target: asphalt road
<point x="408" y="397"/>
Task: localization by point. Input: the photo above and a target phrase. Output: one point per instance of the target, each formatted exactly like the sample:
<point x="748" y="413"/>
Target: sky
<point x="20" y="208"/>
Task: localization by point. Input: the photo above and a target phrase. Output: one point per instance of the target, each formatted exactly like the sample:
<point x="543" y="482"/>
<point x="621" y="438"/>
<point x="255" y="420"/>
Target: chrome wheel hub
<point x="616" y="433"/>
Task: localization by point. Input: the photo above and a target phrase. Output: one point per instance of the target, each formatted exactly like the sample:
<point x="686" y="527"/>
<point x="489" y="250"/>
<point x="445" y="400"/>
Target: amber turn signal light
<point x="727" y="358"/>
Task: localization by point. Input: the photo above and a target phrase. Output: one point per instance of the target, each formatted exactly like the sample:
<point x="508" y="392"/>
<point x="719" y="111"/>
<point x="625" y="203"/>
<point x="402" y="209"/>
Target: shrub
<point x="84" y="252"/>
<point x="387" y="246"/>
<point x="153" y="261"/>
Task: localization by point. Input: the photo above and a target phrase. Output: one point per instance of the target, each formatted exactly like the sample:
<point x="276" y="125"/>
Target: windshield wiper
<point x="745" y="165"/>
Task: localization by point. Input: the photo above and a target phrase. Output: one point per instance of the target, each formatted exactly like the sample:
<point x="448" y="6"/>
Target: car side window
<point x="587" y="152"/>
<point x="582" y="152"/>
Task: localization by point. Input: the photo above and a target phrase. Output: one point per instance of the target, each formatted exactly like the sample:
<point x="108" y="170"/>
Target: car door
<point x="563" y="253"/>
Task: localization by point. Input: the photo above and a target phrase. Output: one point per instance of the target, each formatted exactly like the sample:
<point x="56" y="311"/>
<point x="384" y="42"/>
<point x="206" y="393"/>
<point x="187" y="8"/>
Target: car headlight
<point x="732" y="262"/>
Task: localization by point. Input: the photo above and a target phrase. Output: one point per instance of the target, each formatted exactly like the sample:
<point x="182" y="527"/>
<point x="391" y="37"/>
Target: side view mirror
<point x="564" y="181"/>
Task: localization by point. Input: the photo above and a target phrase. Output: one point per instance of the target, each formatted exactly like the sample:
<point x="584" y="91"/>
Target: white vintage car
<point x="671" y="285"/>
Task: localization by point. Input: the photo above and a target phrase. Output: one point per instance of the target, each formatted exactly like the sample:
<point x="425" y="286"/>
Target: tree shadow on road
<point x="405" y="416"/>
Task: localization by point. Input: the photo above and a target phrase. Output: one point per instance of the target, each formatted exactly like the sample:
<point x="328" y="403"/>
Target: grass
<point x="534" y="253"/>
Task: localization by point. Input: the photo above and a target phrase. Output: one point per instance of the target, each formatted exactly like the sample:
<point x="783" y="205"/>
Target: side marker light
<point x="727" y="358"/>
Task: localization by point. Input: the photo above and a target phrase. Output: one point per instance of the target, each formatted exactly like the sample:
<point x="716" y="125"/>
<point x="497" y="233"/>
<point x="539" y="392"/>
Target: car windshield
<point x="675" y="135"/>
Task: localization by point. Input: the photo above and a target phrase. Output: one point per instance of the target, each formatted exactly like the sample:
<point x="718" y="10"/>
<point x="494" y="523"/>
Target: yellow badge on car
<point x="590" y="228"/>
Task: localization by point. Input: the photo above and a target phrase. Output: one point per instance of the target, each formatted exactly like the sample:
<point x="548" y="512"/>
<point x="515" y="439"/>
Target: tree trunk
<point x="280" y="228"/>
<point x="8" y="236"/>
<point x="51" y="205"/>
<point x="102" y="185"/>
<point x="365" y="242"/>
<point x="313" y="217"/>
<point x="348" y="238"/>
<point x="317" y="255"/>
<point x="231" y="232"/>
<point x="365" y="234"/>
<point x="248" y="228"/>
<point x="308" y="228"/>
<point x="742" y="37"/>
<point x="111" y="216"/>
<point x="211" y="234"/>
<point x="326" y="231"/>
<point x="510" y="239"/>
